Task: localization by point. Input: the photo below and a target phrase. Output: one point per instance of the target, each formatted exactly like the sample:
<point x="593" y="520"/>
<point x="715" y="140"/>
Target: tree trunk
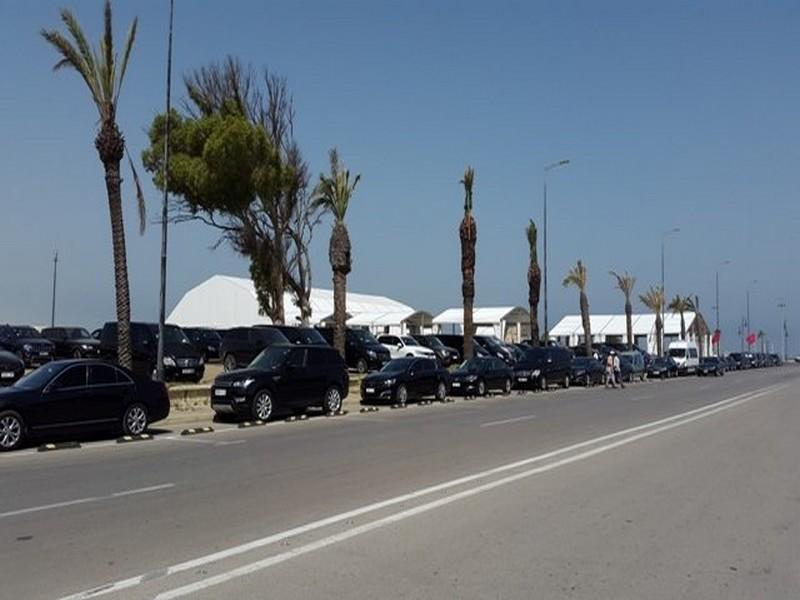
<point x="534" y="287"/>
<point x="587" y="327"/>
<point x="659" y="348"/>
<point x="683" y="327"/>
<point x="111" y="149"/>
<point x="468" y="233"/>
<point x="339" y="253"/>
<point x="629" y="322"/>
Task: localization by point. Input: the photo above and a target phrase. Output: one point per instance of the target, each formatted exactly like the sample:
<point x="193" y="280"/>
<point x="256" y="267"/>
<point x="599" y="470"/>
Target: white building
<point x="612" y="329"/>
<point x="223" y="302"/>
<point x="509" y="323"/>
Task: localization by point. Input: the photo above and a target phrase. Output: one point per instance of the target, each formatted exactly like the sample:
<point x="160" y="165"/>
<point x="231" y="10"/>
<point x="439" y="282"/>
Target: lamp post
<point x="162" y="293"/>
<point x="664" y="237"/>
<point x="547" y="169"/>
<point x="785" y="332"/>
<point x="55" y="276"/>
<point x="716" y="292"/>
<point x="747" y="332"/>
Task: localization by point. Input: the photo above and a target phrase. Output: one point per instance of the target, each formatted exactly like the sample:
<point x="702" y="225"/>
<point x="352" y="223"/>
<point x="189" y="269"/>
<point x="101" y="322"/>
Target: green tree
<point x="332" y="195"/>
<point x="468" y="234"/>
<point x="681" y="304"/>
<point x="578" y="277"/>
<point x="103" y="75"/>
<point x="534" y="281"/>
<point x="654" y="300"/>
<point x="625" y="283"/>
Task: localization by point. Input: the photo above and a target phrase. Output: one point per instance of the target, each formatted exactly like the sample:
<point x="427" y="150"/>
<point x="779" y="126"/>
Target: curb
<point x="256" y="423"/>
<point x="58" y="446"/>
<point x="196" y="430"/>
<point x="338" y="413"/>
<point x="125" y="439"/>
<point x="369" y="409"/>
<point x="395" y="406"/>
<point x="293" y="418"/>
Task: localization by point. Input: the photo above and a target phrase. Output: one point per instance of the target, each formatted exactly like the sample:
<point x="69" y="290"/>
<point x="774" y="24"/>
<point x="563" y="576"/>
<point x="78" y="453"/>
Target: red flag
<point x="751" y="339"/>
<point x="717" y="336"/>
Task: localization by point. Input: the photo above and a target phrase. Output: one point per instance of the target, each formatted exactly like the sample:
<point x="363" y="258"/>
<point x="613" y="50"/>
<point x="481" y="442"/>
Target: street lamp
<point x="547" y="169"/>
<point x="747" y="332"/>
<point x="716" y="308"/>
<point x="785" y="332"/>
<point x="664" y="237"/>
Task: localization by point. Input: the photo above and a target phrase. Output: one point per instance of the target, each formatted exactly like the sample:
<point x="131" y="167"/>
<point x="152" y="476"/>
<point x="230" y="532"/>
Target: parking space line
<point x="506" y="421"/>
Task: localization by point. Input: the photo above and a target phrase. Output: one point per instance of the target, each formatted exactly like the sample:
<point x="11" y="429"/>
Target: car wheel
<point x="441" y="392"/>
<point x="134" y="421"/>
<point x="361" y="366"/>
<point x="566" y="382"/>
<point x="229" y="363"/>
<point x="587" y="380"/>
<point x="12" y="431"/>
<point x="507" y="387"/>
<point x="77" y="353"/>
<point x="262" y="405"/>
<point x="333" y="400"/>
<point x="543" y="383"/>
<point x="481" y="388"/>
<point x="401" y="395"/>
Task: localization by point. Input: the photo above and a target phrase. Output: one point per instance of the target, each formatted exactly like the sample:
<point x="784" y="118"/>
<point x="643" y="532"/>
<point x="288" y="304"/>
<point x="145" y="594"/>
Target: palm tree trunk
<point x="339" y="253"/>
<point x="658" y="334"/>
<point x="683" y="327"/>
<point x="114" y="191"/>
<point x="468" y="233"/>
<point x="534" y="287"/>
<point x="629" y="322"/>
<point x="587" y="327"/>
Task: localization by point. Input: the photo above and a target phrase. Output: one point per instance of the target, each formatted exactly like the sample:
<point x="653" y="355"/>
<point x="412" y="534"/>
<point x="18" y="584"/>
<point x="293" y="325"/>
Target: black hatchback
<point x="479" y="376"/>
<point x="404" y="378"/>
<point x="284" y="378"/>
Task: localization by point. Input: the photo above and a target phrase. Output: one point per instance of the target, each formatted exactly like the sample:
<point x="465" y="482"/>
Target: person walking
<point x="618" y="370"/>
<point x="610" y="370"/>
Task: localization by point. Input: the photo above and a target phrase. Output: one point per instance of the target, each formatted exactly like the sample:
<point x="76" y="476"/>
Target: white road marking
<point x="32" y="509"/>
<point x="260" y="565"/>
<point x="505" y="421"/>
<point x="338" y="518"/>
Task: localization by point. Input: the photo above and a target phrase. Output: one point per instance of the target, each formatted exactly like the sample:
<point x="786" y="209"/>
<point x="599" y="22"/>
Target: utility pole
<point x="55" y="277"/>
<point x="162" y="296"/>
<point x="664" y="236"/>
<point x="785" y="335"/>
<point x="547" y="169"/>
<point x="716" y="308"/>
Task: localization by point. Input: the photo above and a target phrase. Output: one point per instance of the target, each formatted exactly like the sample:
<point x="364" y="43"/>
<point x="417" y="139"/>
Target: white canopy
<point x="506" y="322"/>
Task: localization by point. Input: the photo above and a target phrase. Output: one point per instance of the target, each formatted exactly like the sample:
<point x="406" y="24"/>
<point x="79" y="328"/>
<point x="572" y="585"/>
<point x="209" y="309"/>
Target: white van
<point x="686" y="355"/>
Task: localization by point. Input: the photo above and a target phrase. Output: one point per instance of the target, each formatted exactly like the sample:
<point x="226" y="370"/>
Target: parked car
<point x="72" y="342"/>
<point x="776" y="360"/>
<point x="27" y="343"/>
<point x="496" y="348"/>
<point x="404" y="346"/>
<point x="404" y="378"/>
<point x="686" y="355"/>
<point x="362" y="351"/>
<point x="542" y="367"/>
<point x="730" y="363"/>
<point x="71" y="396"/>
<point x="241" y="345"/>
<point x="587" y="371"/>
<point x="457" y="342"/>
<point x="12" y="367"/>
<point x="636" y="360"/>
<point x="446" y="355"/>
<point x="743" y="360"/>
<point x="283" y="378"/>
<point x="663" y="367"/>
<point x="306" y="336"/>
<point x="206" y="341"/>
<point x="625" y="369"/>
<point x="711" y="365"/>
<point x="181" y="358"/>
<point x="479" y="376"/>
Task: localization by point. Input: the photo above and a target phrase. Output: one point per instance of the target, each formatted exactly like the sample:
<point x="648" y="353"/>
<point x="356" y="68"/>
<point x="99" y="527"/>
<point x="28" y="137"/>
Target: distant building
<point x="509" y="323"/>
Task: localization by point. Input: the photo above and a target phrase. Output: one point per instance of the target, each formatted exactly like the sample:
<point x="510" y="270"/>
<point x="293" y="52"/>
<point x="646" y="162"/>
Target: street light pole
<point x="716" y="291"/>
<point x="55" y="276"/>
<point x="547" y="169"/>
<point x="162" y="294"/>
<point x="748" y="332"/>
<point x="785" y="335"/>
<point x="664" y="236"/>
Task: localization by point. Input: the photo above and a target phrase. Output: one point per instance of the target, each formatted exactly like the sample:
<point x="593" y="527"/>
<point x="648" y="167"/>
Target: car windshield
<point x="270" y="358"/>
<point x="40" y="377"/>
<point x="307" y="335"/>
<point x="472" y="365"/>
<point x="710" y="360"/>
<point x="399" y="365"/>
<point x="173" y="335"/>
<point x="677" y="352"/>
<point x="78" y="333"/>
<point x="434" y="342"/>
<point x="409" y="341"/>
<point x="364" y="336"/>
<point x="25" y="332"/>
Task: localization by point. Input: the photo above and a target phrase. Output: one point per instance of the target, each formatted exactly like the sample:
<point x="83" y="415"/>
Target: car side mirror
<point x="399" y="346"/>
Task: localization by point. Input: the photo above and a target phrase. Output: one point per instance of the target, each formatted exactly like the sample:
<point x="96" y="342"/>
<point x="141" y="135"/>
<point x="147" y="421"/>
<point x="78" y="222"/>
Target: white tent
<point x="509" y="323"/>
<point x="224" y="302"/>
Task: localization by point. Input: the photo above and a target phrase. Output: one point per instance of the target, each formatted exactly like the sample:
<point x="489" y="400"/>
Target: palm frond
<point x="532" y="234"/>
<point x="77" y="34"/>
<point x="576" y="276"/>
<point x="468" y="182"/>
<point x="126" y="54"/>
<point x="141" y="205"/>
<point x="72" y="58"/>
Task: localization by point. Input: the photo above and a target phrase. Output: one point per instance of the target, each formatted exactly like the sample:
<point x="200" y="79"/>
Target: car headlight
<point x="169" y="361"/>
<point x="371" y="353"/>
<point x="536" y="373"/>
<point x="243" y="383"/>
<point x="472" y="378"/>
<point x="27" y="347"/>
<point x="389" y="382"/>
<point x="211" y="348"/>
<point x="85" y="347"/>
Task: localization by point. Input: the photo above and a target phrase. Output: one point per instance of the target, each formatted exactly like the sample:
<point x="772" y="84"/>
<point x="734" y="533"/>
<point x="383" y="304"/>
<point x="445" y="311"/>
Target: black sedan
<point x="11" y="368"/>
<point x="711" y="365"/>
<point x="587" y="371"/>
<point x="70" y="396"/>
<point x="663" y="367"/>
<point x="404" y="378"/>
<point x="72" y="342"/>
<point x="479" y="376"/>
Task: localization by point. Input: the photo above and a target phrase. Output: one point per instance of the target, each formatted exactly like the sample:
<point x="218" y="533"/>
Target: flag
<point x="716" y="337"/>
<point x="751" y="339"/>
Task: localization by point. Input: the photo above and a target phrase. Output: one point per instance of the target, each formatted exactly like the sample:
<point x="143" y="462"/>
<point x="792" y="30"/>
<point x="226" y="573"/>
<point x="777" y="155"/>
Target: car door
<point x="63" y="400"/>
<point x="416" y="379"/>
<point x="316" y="372"/>
<point x="497" y="374"/>
<point x="107" y="393"/>
<point x="293" y="386"/>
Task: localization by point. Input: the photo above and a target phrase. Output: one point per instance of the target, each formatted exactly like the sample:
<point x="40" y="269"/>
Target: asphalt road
<point x="684" y="489"/>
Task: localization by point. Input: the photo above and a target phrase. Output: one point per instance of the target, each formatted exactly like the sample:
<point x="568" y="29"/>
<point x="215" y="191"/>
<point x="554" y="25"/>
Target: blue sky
<point x="678" y="114"/>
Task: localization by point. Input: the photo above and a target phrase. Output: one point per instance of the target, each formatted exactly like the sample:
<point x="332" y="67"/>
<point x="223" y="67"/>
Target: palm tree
<point x="468" y="233"/>
<point x="681" y="304"/>
<point x="625" y="284"/>
<point x="103" y="76"/>
<point x="534" y="282"/>
<point x="332" y="194"/>
<point x="578" y="277"/>
<point x="654" y="300"/>
<point x="699" y="326"/>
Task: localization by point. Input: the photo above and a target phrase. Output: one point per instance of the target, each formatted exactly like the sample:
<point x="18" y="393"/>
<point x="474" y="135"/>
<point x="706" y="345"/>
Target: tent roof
<point x="643" y="324"/>
<point x="483" y="315"/>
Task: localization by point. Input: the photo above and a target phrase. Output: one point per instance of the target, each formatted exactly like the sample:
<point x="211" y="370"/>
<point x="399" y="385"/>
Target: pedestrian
<point x="618" y="370"/>
<point x="610" y="370"/>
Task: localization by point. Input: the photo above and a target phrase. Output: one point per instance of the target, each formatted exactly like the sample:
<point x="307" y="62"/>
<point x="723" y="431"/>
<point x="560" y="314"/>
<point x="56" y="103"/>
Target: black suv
<point x="541" y="367"/>
<point x="496" y="348"/>
<point x="446" y="355"/>
<point x="72" y="342"/>
<point x="362" y="351"/>
<point x="284" y="378"/>
<point x="181" y="358"/>
<point x="242" y="344"/>
<point x="457" y="342"/>
<point x="404" y="378"/>
<point x="206" y="341"/>
<point x="27" y="343"/>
